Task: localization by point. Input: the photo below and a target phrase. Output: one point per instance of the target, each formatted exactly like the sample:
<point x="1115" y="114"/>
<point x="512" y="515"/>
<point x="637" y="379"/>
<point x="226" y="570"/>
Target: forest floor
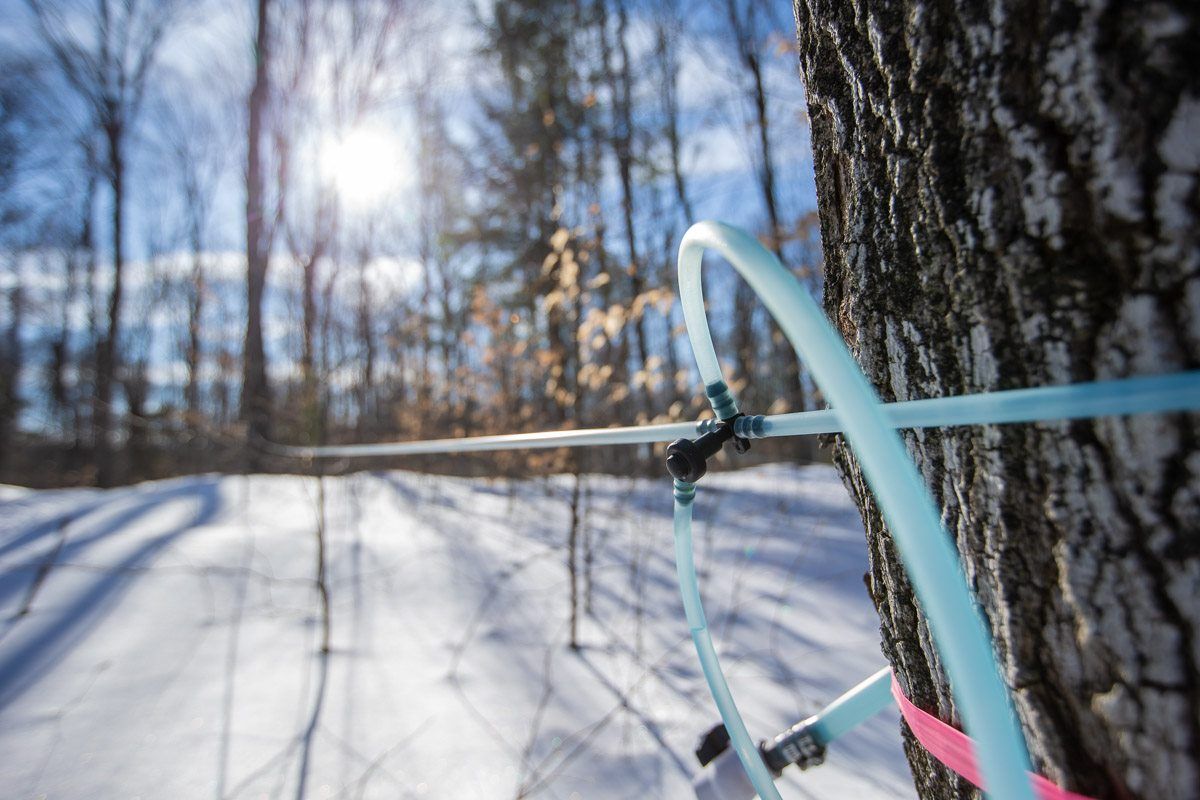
<point x="165" y="639"/>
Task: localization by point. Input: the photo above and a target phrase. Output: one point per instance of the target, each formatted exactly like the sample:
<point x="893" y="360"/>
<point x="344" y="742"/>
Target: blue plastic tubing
<point x="1077" y="401"/>
<point x="927" y="551"/>
<point x="856" y="705"/>
<point x="739" y="737"/>
<point x="846" y="712"/>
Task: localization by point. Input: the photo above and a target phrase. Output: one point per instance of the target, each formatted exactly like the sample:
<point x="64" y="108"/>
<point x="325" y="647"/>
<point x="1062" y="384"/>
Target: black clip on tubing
<point x="687" y="459"/>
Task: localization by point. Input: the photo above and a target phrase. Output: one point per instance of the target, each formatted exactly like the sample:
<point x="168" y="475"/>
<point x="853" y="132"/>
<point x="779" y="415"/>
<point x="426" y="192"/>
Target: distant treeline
<point x="358" y="220"/>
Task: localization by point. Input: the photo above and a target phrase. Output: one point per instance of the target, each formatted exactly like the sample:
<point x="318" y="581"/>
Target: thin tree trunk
<point x="611" y="352"/>
<point x="195" y="322"/>
<point x="135" y="384"/>
<point x="669" y="63"/>
<point x="106" y="360"/>
<point x="637" y="278"/>
<point x="589" y="554"/>
<point x="310" y="402"/>
<point x="424" y="390"/>
<point x="367" y="420"/>
<point x="619" y="85"/>
<point x="11" y="361"/>
<point x="1008" y="198"/>
<point x="452" y="334"/>
<point x="256" y="396"/>
<point x="573" y="559"/>
<point x="85" y="386"/>
<point x="320" y="581"/>
<point x="63" y="385"/>
<point x="745" y="31"/>
<point x="324" y="395"/>
<point x="792" y="377"/>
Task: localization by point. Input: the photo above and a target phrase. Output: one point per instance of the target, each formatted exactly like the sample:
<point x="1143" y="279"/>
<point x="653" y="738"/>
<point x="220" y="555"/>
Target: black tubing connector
<point x="797" y="745"/>
<point x="712" y="743"/>
<point x="687" y="459"/>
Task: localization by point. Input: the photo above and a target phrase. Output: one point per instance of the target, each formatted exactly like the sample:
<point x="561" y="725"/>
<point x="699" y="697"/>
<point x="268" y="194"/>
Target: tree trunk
<point x="11" y="362"/>
<point x="573" y="560"/>
<point x="749" y="42"/>
<point x="85" y="406"/>
<point x="367" y="420"/>
<point x="310" y="404"/>
<point x="195" y="323"/>
<point x="793" y="382"/>
<point x="620" y="83"/>
<point x="667" y="51"/>
<point x="106" y="360"/>
<point x="256" y="396"/>
<point x="1009" y="197"/>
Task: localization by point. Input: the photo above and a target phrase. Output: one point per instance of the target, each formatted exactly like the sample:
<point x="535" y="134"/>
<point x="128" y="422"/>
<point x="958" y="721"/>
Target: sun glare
<point x="363" y="166"/>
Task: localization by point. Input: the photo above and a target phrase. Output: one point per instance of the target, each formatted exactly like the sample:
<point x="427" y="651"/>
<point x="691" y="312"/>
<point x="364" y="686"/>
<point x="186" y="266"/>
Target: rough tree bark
<point x="1009" y="197"/>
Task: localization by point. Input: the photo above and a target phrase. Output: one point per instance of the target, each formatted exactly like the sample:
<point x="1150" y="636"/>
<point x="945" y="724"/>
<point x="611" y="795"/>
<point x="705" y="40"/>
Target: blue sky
<point x="204" y="73"/>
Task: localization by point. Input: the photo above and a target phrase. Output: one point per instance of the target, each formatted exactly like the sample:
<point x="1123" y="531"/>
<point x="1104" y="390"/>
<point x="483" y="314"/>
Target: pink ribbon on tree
<point x="956" y="750"/>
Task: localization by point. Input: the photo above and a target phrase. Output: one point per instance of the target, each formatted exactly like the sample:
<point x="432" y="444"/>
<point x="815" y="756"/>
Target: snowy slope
<point x="163" y="640"/>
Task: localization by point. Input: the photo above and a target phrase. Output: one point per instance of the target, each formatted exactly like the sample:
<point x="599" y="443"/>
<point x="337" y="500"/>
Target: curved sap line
<point x="927" y="551"/>
<point x="739" y="737"/>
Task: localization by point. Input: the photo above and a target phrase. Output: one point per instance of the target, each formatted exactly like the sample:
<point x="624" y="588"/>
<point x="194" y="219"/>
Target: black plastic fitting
<point x="797" y="745"/>
<point x="712" y="743"/>
<point x="687" y="459"/>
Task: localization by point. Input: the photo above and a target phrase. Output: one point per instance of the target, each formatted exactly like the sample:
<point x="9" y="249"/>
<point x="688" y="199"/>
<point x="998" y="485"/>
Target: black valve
<point x="687" y="460"/>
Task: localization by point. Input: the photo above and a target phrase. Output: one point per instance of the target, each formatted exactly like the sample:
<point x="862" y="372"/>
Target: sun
<point x="364" y="165"/>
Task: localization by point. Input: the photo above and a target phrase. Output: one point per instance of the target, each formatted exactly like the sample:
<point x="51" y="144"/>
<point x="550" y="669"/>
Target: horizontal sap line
<point x="1177" y="392"/>
<point x="590" y="437"/>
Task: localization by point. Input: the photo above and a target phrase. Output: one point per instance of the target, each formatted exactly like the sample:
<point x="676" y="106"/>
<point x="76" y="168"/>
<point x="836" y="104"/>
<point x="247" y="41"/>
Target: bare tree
<point x="256" y="392"/>
<point x="107" y="55"/>
<point x="668" y="31"/>
<point x="196" y="150"/>
<point x="620" y="87"/>
<point x="331" y="97"/>
<point x="14" y="102"/>
<point x="12" y="358"/>
<point x="309" y="240"/>
<point x="538" y="288"/>
<point x="749" y="29"/>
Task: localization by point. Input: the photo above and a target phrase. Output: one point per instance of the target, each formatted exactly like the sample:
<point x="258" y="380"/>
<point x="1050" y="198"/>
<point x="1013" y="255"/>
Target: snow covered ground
<point x="164" y="640"/>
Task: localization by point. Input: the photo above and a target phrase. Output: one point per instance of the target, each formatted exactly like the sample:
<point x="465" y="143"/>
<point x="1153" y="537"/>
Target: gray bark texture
<point x="1009" y="196"/>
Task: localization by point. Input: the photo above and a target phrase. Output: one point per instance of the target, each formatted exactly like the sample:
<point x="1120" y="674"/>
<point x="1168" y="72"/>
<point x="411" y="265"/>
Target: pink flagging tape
<point x="956" y="750"/>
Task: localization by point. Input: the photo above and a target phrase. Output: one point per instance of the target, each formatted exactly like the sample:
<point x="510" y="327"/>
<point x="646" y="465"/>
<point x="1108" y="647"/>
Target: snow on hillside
<point x="163" y="640"/>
